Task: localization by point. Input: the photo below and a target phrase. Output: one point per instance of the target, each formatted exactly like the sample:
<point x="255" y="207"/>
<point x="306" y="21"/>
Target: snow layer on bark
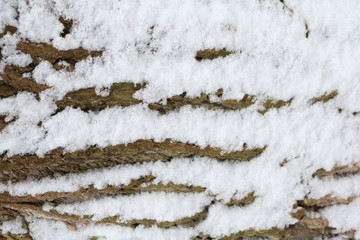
<point x="300" y="51"/>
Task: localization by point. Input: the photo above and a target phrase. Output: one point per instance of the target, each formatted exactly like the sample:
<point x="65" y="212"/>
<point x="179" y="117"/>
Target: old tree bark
<point x="18" y="168"/>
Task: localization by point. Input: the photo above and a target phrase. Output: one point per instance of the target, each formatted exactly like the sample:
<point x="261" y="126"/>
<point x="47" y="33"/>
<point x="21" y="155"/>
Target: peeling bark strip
<point x="81" y="194"/>
<point x="306" y="228"/>
<point x="13" y="206"/>
<point x="3" y="124"/>
<point x="8" y="29"/>
<point x="6" y="90"/>
<point x="74" y="221"/>
<point x="211" y="54"/>
<point x="341" y="171"/>
<point x="43" y="51"/>
<point x="248" y="199"/>
<point x="35" y="210"/>
<point x="324" y="98"/>
<point x="14" y="81"/>
<point x="328" y="200"/>
<point x="67" y="26"/>
<point x="92" y="193"/>
<point x="273" y="233"/>
<point x="190" y="221"/>
<point x="271" y="103"/>
<point x="17" y="168"/>
<point x="47" y="52"/>
<point x="121" y="94"/>
<point x="178" y="101"/>
<point x="309" y="228"/>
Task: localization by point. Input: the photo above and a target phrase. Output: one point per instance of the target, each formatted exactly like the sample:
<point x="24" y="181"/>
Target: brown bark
<point x="17" y="168"/>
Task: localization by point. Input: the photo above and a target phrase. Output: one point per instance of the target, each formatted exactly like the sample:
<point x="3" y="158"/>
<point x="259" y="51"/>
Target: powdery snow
<point x="44" y="230"/>
<point x="272" y="58"/>
<point x="344" y="217"/>
<point x="159" y="206"/>
<point x="13" y="226"/>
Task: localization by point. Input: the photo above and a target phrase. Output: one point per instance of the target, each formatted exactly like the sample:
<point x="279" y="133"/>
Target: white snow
<point x="13" y="226"/>
<point x="159" y="206"/>
<point x="344" y="217"/>
<point x="343" y="187"/>
<point x="155" y="42"/>
<point x="44" y="230"/>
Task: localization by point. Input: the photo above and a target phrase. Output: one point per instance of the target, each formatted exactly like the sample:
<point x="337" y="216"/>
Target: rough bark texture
<point x="8" y="29"/>
<point x="340" y="171"/>
<point x="68" y="23"/>
<point x="14" y="79"/>
<point x="324" y="98"/>
<point x="6" y="90"/>
<point x="211" y="54"/>
<point x="3" y="123"/>
<point x="43" y="51"/>
<point x="18" y="168"/>
<point x="178" y="101"/>
<point x="121" y="94"/>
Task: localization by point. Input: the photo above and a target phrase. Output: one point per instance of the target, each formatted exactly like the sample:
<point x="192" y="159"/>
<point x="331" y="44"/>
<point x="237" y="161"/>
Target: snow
<point x="7" y="14"/>
<point x="343" y="187"/>
<point x="44" y="230"/>
<point x="13" y="226"/>
<point x="10" y="54"/>
<point x="272" y="59"/>
<point x="344" y="217"/>
<point x="229" y="130"/>
<point x="159" y="206"/>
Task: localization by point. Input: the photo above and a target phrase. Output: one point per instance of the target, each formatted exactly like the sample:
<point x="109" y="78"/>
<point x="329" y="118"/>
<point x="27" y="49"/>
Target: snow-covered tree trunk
<point x="179" y="120"/>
